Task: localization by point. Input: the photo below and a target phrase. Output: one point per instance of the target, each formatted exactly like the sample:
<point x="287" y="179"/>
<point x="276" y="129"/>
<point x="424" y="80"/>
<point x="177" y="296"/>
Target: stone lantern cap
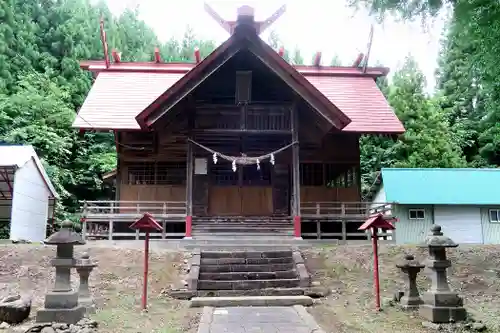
<point x="65" y="236"/>
<point x="85" y="261"/>
<point x="436" y="239"/>
<point x="409" y="261"/>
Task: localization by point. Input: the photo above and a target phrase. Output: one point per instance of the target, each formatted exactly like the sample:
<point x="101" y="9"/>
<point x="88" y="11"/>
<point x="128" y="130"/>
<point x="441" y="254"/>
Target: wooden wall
<point x="338" y="150"/>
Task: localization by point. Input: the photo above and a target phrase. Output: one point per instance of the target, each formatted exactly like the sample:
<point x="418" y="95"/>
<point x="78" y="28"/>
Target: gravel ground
<point x="116" y="285"/>
<point x="347" y="270"/>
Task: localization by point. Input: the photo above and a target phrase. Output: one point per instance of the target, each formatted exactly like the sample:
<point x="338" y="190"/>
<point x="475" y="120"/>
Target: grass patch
<point x="116" y="285"/>
<point x="348" y="271"/>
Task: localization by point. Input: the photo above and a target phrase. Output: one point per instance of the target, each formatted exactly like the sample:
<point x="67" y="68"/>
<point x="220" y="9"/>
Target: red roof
<point x="361" y="100"/>
<point x="116" y="98"/>
<point x="124" y="90"/>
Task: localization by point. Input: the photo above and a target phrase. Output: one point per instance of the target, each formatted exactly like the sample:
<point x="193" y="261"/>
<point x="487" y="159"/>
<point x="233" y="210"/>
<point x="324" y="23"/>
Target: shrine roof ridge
<point x="98" y="66"/>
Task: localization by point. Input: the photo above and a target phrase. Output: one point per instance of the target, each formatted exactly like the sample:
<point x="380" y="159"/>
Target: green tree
<point x="297" y="58"/>
<point x="428" y="140"/>
<point x="459" y="95"/>
<point x="275" y="42"/>
<point x="336" y="61"/>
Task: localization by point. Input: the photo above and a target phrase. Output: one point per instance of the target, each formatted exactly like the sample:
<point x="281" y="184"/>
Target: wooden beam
<point x="5" y="176"/>
<point x="223" y="23"/>
<point x="191" y="85"/>
<point x="358" y="60"/>
<point x="189" y="162"/>
<point x="271" y="19"/>
<point x="116" y="55"/>
<point x="317" y="59"/>
<point x="242" y="131"/>
<point x="157" y="55"/>
<point x="281" y="52"/>
<point x="369" y="47"/>
<point x="295" y="161"/>
<point x="313" y="100"/>
<point x="197" y="56"/>
<point x="104" y="43"/>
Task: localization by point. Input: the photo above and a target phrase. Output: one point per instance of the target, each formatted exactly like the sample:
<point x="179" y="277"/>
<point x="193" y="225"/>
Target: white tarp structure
<point x="27" y="196"/>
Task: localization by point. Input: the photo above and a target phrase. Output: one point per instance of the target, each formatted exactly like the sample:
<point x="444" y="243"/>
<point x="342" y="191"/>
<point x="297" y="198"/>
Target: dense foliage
<point x="468" y="92"/>
<point x="41" y="87"/>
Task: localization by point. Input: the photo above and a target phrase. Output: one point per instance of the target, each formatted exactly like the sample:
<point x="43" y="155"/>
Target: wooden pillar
<point x="189" y="177"/>
<point x="295" y="172"/>
<point x="118" y="176"/>
<point x="189" y="191"/>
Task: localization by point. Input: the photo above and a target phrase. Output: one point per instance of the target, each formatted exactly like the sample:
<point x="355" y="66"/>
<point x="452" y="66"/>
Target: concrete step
<point x="243" y="236"/>
<point x="251" y="292"/>
<point x="243" y="246"/>
<point x="234" y="276"/>
<point x="241" y="229"/>
<point x="246" y="268"/>
<point x="251" y="301"/>
<point x="239" y="238"/>
<point x="245" y="261"/>
<point x="245" y="254"/>
<point x="247" y="284"/>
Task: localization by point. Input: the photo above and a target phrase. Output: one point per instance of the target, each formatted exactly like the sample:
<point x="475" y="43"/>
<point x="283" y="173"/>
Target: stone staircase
<point x="248" y="226"/>
<point x="248" y="273"/>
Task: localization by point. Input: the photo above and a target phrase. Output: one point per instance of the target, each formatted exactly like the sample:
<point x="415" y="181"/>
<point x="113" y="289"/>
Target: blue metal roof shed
<point x="442" y="186"/>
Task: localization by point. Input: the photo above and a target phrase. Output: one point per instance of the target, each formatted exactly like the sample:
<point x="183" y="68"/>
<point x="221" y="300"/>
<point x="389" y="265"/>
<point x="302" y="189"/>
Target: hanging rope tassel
<point x="243" y="160"/>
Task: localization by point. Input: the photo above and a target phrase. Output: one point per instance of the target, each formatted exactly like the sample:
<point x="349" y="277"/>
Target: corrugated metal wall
<point x="412" y="231"/>
<point x="491" y="231"/>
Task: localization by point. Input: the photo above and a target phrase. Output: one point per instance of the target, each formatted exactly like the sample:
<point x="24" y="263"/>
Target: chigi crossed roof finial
<point x="245" y="15"/>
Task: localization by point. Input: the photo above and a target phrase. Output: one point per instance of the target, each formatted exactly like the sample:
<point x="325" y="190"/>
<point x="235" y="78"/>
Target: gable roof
<point x="123" y="91"/>
<point x="14" y="156"/>
<point x="240" y="41"/>
<point x="441" y="186"/>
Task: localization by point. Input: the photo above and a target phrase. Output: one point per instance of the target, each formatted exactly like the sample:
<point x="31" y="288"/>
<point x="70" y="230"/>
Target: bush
<point x="4" y="229"/>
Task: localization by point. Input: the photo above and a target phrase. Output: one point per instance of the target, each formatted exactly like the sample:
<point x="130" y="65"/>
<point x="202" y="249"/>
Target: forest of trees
<point x="42" y="87"/>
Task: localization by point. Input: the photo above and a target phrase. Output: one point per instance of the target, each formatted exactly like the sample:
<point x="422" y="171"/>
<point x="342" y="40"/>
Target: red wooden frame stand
<point x="375" y="222"/>
<point x="147" y="224"/>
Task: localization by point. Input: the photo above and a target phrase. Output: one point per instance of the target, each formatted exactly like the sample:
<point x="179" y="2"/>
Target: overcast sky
<point x="310" y="25"/>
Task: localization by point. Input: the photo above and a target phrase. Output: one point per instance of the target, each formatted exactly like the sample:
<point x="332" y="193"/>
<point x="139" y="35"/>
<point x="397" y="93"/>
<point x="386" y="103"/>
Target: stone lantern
<point x="84" y="267"/>
<point x="410" y="267"/>
<point x="441" y="304"/>
<point x="61" y="303"/>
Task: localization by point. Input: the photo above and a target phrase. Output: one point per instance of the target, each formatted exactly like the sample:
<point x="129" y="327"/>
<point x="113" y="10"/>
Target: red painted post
<point x="146" y="268"/>
<point x="189" y="226"/>
<point x="376" y="277"/>
<point x="296" y="227"/>
<point x="146" y="223"/>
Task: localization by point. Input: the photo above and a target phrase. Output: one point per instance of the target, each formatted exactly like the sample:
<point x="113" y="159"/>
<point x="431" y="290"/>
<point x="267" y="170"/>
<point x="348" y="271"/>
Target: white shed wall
<point x="461" y="223"/>
<point x="30" y="204"/>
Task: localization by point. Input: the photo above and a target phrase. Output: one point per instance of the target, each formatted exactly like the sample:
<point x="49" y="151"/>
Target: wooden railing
<point x="329" y="209"/>
<point x="346" y="215"/>
<point x="115" y="209"/>
<point x="100" y="217"/>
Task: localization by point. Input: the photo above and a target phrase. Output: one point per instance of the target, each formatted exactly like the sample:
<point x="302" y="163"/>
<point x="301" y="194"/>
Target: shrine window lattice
<point x="329" y="175"/>
<point x="161" y="173"/>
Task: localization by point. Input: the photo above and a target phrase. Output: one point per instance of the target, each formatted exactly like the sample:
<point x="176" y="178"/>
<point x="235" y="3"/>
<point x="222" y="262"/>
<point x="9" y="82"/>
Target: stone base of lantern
<point x="410" y="303"/>
<point x="442" y="307"/>
<point x="61" y="300"/>
<point x="61" y="307"/>
<point x="442" y="314"/>
<point x="87" y="303"/>
<point x="68" y="316"/>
